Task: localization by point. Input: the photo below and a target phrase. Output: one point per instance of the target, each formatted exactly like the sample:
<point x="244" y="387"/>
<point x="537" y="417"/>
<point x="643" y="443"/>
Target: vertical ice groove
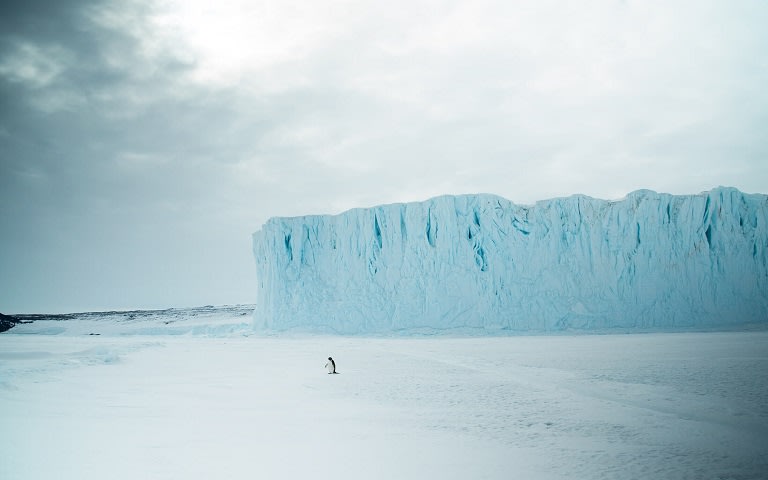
<point x="288" y="247"/>
<point x="403" y="227"/>
<point x="578" y="263"/>
<point x="706" y="208"/>
<point x="431" y="228"/>
<point x="480" y="259"/>
<point x="377" y="230"/>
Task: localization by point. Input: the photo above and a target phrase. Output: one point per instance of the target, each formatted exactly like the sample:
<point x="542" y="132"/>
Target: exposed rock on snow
<point x="649" y="261"/>
<point x="7" y="322"/>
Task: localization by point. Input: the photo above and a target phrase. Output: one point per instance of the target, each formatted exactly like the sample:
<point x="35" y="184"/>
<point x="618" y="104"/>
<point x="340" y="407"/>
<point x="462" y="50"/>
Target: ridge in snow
<point x="648" y="261"/>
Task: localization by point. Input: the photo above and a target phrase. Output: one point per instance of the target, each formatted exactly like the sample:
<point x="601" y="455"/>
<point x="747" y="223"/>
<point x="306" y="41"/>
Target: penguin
<point x="331" y="366"/>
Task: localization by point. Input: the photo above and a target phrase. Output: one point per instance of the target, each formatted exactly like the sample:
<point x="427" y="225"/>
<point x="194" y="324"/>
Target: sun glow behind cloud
<point x="231" y="40"/>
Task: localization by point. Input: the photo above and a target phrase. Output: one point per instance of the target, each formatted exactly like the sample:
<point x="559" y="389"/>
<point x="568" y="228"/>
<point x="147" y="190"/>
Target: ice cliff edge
<point x="649" y="261"/>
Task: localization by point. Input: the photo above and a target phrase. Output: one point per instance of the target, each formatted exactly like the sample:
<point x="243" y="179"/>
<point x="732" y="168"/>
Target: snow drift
<point x="649" y="261"/>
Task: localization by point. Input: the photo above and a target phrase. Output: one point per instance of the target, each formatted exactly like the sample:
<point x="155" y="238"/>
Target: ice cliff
<point x="649" y="261"/>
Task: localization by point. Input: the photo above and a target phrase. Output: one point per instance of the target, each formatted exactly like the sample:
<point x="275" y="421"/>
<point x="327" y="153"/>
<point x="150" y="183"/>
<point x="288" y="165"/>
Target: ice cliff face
<point x="479" y="261"/>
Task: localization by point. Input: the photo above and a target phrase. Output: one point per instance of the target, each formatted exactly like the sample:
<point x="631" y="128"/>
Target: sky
<point x="142" y="142"/>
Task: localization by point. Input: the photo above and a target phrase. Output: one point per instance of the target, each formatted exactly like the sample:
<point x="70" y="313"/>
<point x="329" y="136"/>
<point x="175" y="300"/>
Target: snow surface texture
<point x="233" y="405"/>
<point x="479" y="262"/>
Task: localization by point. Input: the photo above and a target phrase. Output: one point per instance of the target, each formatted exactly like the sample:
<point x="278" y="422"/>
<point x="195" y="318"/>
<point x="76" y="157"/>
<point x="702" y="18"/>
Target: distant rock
<point x="7" y="322"/>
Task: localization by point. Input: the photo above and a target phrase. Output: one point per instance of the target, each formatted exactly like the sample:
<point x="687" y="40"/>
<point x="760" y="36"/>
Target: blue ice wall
<point x="649" y="261"/>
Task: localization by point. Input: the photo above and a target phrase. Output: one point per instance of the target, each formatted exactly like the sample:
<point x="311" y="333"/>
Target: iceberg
<point x="481" y="263"/>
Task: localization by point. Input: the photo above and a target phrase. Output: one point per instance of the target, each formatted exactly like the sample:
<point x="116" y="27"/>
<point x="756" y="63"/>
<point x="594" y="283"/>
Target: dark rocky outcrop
<point x="7" y="322"/>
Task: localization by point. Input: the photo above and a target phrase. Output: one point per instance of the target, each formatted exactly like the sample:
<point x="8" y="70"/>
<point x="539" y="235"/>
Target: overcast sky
<point x="142" y="142"/>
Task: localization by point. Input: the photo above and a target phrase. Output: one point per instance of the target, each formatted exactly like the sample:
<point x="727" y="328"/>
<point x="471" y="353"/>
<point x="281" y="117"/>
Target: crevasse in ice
<point x="649" y="261"/>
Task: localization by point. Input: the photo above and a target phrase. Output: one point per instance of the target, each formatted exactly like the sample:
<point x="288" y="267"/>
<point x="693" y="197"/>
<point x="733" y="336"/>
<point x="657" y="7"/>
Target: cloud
<point x="32" y="65"/>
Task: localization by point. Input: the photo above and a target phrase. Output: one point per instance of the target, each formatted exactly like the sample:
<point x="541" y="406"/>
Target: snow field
<point x="662" y="406"/>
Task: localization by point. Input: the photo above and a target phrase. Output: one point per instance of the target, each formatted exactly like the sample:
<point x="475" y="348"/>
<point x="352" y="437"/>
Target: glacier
<point x="481" y="263"/>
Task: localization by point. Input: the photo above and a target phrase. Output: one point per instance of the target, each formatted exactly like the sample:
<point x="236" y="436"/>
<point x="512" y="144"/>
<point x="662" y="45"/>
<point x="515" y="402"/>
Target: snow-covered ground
<point x="205" y="398"/>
